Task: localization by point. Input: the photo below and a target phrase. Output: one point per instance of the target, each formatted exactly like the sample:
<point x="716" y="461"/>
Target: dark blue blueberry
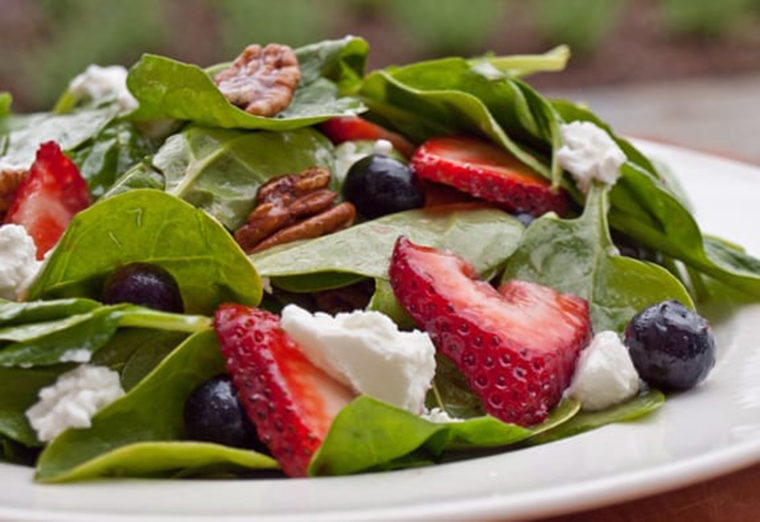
<point x="145" y="285"/>
<point x="378" y="185"/>
<point x="525" y="219"/>
<point x="672" y="347"/>
<point x="213" y="413"/>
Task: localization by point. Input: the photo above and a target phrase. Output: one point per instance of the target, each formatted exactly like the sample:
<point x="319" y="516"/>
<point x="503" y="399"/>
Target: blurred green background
<point x="43" y="43"/>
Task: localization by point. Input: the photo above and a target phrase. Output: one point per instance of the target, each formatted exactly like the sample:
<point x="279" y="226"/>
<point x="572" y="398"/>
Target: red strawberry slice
<point x="291" y="401"/>
<point x="49" y="197"/>
<point x="517" y="347"/>
<point x="485" y="171"/>
<point x="352" y="128"/>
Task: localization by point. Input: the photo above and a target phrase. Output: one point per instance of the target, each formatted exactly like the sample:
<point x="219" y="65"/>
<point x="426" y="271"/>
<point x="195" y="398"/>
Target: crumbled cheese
<point x="18" y="261"/>
<point x="604" y="375"/>
<point x="439" y="416"/>
<point x="366" y="351"/>
<point x="102" y="82"/>
<point x="589" y="153"/>
<point x="73" y="400"/>
<point x="383" y="147"/>
<point x="77" y="355"/>
<point x="266" y="285"/>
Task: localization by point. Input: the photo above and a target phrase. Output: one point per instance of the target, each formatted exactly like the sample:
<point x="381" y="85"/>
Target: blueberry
<point x="671" y="346"/>
<point x="213" y="413"/>
<point x="525" y="219"/>
<point x="380" y="185"/>
<point x="145" y="285"/>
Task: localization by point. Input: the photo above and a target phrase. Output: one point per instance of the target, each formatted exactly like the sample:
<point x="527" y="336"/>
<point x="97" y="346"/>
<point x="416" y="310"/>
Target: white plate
<point x="712" y="430"/>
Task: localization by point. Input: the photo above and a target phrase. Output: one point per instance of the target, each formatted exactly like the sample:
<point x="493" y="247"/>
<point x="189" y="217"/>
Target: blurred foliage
<point x="581" y="24"/>
<point x="82" y="32"/>
<point x="447" y="26"/>
<point x="44" y="43"/>
<point x="708" y="18"/>
<point x="293" y="22"/>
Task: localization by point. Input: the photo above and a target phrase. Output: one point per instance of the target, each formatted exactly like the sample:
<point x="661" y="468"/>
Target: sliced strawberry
<point x="485" y="171"/>
<point x="352" y="128"/>
<point x="291" y="401"/>
<point x="517" y="347"/>
<point x="49" y="197"/>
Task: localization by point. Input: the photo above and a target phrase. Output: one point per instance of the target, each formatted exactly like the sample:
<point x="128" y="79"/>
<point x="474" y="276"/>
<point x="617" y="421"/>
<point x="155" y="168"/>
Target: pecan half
<point x="261" y="81"/>
<point x="337" y="218"/>
<point x="293" y="207"/>
<point x="9" y="182"/>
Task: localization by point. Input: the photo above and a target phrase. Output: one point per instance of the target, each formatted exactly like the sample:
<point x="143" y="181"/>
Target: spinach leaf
<point x="483" y="236"/>
<point x="105" y="157"/>
<point x="369" y="434"/>
<point x="166" y="459"/>
<point x="141" y="176"/>
<point x="16" y="453"/>
<point x="584" y="421"/>
<point x="451" y="96"/>
<point x="56" y="341"/>
<point x="384" y="300"/>
<point x="518" y="65"/>
<point x="166" y="88"/>
<point x="152" y="227"/>
<point x="578" y="257"/>
<point x="18" y="392"/>
<point x="13" y="313"/>
<point x="221" y="170"/>
<point x="150" y="412"/>
<point x="68" y="130"/>
<point x="134" y="352"/>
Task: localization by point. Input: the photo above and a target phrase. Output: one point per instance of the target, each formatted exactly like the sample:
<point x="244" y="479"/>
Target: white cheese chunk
<point x="73" y="400"/>
<point x="18" y="261"/>
<point x="605" y="375"/>
<point x="589" y="153"/>
<point x="104" y="82"/>
<point x="367" y="352"/>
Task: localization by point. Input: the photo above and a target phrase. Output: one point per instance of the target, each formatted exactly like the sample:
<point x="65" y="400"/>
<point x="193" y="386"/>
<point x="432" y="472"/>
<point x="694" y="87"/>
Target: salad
<point x="289" y="263"/>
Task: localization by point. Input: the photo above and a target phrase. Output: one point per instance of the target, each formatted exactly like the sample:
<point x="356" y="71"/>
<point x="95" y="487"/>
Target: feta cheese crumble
<point x="604" y="375"/>
<point x="73" y="400"/>
<point x="589" y="153"/>
<point x="439" y="416"/>
<point x="367" y="352"/>
<point x="77" y="355"/>
<point x="18" y="261"/>
<point x="103" y="82"/>
<point x="383" y="147"/>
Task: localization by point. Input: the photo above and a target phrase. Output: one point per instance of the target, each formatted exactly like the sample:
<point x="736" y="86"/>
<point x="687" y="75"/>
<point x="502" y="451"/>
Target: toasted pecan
<point x="338" y="217"/>
<point x="261" y="81"/>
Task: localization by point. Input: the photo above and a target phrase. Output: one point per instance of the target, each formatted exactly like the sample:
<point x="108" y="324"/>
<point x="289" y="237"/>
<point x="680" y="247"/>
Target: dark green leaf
<point x="151" y="227"/>
<point x="221" y="170"/>
<point x="166" y="459"/>
<point x="166" y="88"/>
<point x="68" y="130"/>
<point x="584" y="421"/>
<point x="578" y="257"/>
<point x="107" y="156"/>
<point x="483" y="236"/>
<point x="13" y="313"/>
<point x="151" y="412"/>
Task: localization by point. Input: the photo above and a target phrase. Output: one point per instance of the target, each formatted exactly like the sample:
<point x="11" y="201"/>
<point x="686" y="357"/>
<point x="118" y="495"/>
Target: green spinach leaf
<point x="369" y="434"/>
<point x="150" y="412"/>
<point x="578" y="257"/>
<point x="585" y="421"/>
<point x="152" y="227"/>
<point x="70" y="131"/>
<point x="331" y="69"/>
<point x="451" y="96"/>
<point x="65" y="340"/>
<point x="105" y="157"/>
<point x="221" y="170"/>
<point x="14" y="313"/>
<point x="5" y="104"/>
<point x="141" y="176"/>
<point x="166" y="459"/>
<point x="483" y="236"/>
